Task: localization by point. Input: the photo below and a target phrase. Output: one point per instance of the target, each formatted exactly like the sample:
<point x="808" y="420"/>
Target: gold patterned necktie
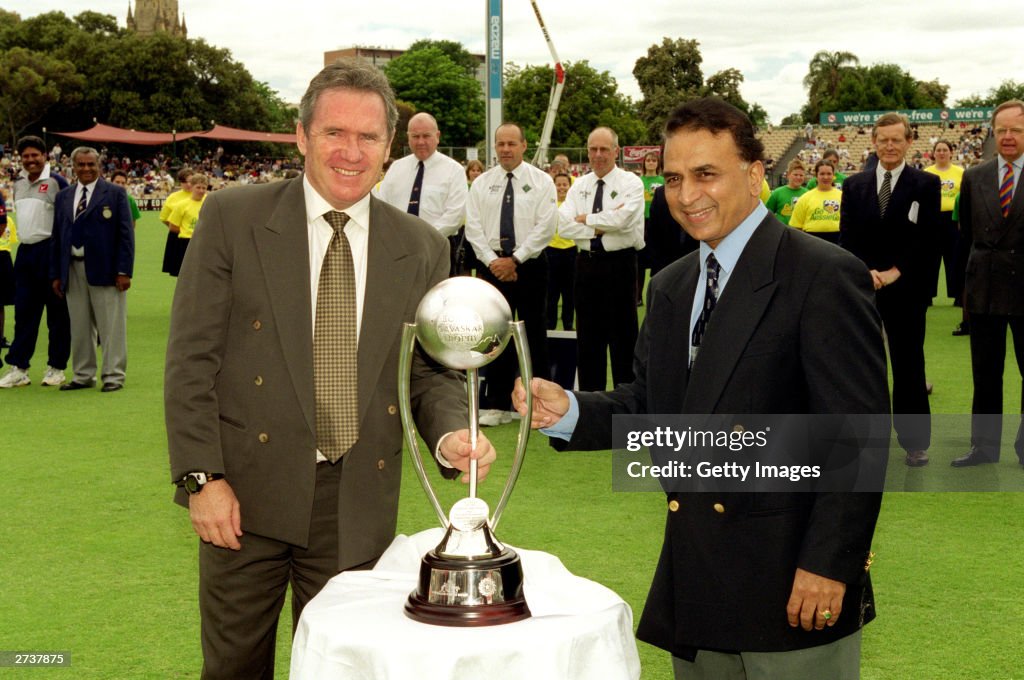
<point x="334" y="347"/>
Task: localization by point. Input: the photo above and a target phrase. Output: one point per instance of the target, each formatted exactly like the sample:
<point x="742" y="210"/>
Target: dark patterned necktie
<point x="334" y="347"/>
<point x="1006" y="190"/>
<point x="508" y="219"/>
<point x="417" y="187"/>
<point x="710" y="300"/>
<point x="595" y="243"/>
<point x="885" y="193"/>
<point x="78" y="228"/>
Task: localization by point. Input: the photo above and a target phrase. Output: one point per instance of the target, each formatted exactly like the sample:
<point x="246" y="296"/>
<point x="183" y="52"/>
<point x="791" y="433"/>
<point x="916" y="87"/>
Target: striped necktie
<point x="710" y="300"/>
<point x="1006" y="190"/>
<point x="885" y="193"/>
<point x="335" y="374"/>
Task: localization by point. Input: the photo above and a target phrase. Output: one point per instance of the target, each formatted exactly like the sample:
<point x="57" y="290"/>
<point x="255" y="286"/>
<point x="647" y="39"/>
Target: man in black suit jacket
<point x="992" y="217"/>
<point x="92" y="258"/>
<point x="887" y="218"/>
<point x="744" y="578"/>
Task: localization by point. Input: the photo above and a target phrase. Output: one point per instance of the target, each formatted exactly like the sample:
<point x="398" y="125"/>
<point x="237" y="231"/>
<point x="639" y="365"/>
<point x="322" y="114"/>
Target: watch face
<point x="192" y="484"/>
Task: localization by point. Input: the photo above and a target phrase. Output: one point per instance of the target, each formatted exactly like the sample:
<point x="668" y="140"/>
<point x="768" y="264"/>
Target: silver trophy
<point x="469" y="579"/>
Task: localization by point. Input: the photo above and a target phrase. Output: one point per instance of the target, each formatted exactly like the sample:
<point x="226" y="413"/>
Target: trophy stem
<point x="473" y="396"/>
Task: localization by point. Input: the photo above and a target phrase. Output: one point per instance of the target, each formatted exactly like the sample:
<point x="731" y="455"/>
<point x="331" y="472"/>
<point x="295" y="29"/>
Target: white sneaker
<point x="489" y="417"/>
<point x="53" y="377"/>
<point x="15" y="377"/>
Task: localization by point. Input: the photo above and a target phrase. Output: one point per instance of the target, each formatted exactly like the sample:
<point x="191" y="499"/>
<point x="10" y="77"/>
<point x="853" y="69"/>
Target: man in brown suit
<point x="245" y="415"/>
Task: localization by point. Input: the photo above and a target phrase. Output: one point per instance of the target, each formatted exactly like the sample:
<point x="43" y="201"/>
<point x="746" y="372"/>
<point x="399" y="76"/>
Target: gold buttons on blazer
<point x="258" y="380"/>
<point x="257" y="324"/>
<point x="869" y="561"/>
<point x="673" y="505"/>
<point x="263" y="437"/>
<point x="380" y="464"/>
<point x="392" y="409"/>
<point x="738" y="427"/>
<point x="719" y="508"/>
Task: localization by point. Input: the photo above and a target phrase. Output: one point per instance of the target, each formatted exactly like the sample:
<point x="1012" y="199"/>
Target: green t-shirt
<point x="783" y="200"/>
<point x="837" y="182"/>
<point x="650" y="184"/>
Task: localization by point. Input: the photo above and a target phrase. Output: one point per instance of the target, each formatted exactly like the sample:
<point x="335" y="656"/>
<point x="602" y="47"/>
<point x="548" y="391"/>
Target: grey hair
<point x="349" y="73"/>
<point x="79" y="150"/>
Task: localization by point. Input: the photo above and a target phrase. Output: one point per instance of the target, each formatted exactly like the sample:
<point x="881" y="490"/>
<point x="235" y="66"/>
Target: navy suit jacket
<point x="896" y="239"/>
<point x="795" y="331"/>
<point x="109" y="235"/>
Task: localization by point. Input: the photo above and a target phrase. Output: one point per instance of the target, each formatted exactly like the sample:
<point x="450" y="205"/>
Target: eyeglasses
<point x="1016" y="131"/>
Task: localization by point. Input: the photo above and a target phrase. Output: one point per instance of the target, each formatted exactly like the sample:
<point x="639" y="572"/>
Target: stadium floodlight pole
<point x="541" y="158"/>
<point x="495" y="75"/>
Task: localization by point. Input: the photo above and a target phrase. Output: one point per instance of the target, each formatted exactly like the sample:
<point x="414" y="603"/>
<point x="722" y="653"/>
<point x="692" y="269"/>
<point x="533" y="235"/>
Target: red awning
<point x="230" y="134"/>
<point x="109" y="133"/>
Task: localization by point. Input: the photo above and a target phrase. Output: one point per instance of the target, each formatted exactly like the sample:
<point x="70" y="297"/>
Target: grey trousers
<point x="839" y="660"/>
<point x="96" y="311"/>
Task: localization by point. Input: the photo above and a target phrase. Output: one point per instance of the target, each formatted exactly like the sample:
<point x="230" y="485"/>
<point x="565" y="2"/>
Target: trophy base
<point x="478" y="591"/>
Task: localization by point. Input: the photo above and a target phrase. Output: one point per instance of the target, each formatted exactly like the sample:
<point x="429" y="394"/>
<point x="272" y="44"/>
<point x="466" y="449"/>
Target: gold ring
<point x="826" y="614"/>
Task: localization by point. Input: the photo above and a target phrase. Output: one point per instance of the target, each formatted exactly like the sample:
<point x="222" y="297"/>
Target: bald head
<point x="423" y="135"/>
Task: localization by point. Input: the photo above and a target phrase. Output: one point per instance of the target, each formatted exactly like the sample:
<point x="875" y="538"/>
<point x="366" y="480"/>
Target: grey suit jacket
<point x="795" y="331"/>
<point x="239" y="395"/>
<point x="995" y="268"/>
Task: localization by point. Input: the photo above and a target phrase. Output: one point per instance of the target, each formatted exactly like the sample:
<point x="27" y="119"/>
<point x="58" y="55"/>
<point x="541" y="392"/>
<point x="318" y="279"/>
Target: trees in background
<point x="590" y="99"/>
<point x="670" y="74"/>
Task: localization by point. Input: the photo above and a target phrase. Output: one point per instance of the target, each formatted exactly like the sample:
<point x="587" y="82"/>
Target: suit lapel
<point x="736" y="317"/>
<point x="674" y="332"/>
<point x="282" y="244"/>
<point x="390" y="274"/>
<point x="990" y="193"/>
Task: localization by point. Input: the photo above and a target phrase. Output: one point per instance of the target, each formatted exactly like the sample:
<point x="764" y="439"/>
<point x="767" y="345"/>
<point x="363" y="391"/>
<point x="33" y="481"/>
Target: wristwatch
<point x="194" y="482"/>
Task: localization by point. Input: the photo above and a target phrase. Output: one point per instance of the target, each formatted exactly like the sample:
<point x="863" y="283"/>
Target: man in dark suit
<point x="888" y="218"/>
<point x="91" y="263"/>
<point x="282" y="416"/>
<point x="774" y="582"/>
<point x="992" y="218"/>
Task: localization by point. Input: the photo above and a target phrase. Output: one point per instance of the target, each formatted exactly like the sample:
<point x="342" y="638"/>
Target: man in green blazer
<point x="241" y="391"/>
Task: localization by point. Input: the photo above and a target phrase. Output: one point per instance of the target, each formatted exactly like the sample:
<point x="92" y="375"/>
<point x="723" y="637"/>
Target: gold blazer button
<point x="673" y="505"/>
<point x="380" y="464"/>
<point x="258" y="380"/>
<point x="719" y="508"/>
<point x="392" y="409"/>
<point x="256" y="325"/>
<point x="264" y="437"/>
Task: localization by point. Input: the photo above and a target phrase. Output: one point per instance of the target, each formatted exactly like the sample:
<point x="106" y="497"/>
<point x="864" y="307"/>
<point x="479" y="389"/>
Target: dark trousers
<point x="33" y="292"/>
<point x="463" y="260"/>
<point x="903" y="316"/>
<point x="988" y="355"/>
<point x="527" y="298"/>
<point x="944" y="249"/>
<point x="241" y="593"/>
<point x="561" y="271"/>
<point x="606" y="321"/>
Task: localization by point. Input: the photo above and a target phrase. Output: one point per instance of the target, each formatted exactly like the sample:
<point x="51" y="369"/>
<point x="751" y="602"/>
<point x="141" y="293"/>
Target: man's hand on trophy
<point x="457" y="451"/>
<point x="550" y="401"/>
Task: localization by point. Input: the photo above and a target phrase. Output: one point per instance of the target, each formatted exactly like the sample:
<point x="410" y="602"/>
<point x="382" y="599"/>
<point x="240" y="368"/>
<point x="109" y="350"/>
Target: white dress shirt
<point x="880" y="177"/>
<point x="442" y="193"/>
<point x="622" y="216"/>
<point x="535" y="216"/>
<point x="80" y="252"/>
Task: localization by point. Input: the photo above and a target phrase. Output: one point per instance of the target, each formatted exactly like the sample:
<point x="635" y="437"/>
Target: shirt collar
<point x="1017" y="164"/>
<point x="880" y="172"/>
<point x="731" y="247"/>
<point x="91" y="186"/>
<point x="317" y="206"/>
<point x="45" y="174"/>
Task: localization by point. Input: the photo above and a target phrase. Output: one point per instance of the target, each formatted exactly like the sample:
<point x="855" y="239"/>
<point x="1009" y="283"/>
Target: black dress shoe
<point x="67" y="387"/>
<point x="917" y="458"/>
<point x="972" y="458"/>
<point x="111" y="387"/>
<point x="962" y="329"/>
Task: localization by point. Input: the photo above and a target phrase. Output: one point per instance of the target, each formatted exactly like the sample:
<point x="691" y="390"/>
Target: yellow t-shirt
<point x="766" y="191"/>
<point x="950" y="179"/>
<point x="185" y="215"/>
<point x="171" y="202"/>
<point x="9" y="236"/>
<point x="817" y="211"/>
<point x="559" y="242"/>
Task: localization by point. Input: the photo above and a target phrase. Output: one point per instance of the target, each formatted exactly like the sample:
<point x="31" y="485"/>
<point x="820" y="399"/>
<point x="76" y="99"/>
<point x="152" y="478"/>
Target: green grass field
<point x="95" y="559"/>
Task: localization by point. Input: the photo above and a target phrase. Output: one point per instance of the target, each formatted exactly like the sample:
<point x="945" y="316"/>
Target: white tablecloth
<point x="356" y="628"/>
